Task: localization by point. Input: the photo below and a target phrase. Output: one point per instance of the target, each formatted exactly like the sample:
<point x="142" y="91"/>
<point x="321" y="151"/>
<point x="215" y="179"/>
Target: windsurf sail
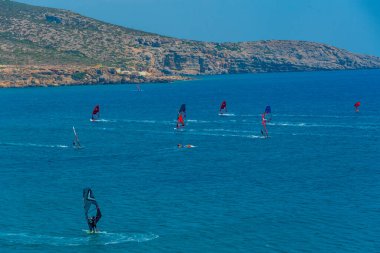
<point x="268" y="113"/>
<point x="91" y="207"/>
<point x="223" y="107"/>
<point x="356" y="105"/>
<point x="181" y="116"/>
<point x="266" y="117"/>
<point x="95" y="113"/>
<point x="76" y="143"/>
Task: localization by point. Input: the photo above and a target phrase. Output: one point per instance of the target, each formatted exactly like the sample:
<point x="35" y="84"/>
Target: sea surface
<point x="313" y="186"/>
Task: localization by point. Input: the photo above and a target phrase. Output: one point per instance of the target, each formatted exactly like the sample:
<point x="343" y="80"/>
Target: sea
<point x="312" y="186"/>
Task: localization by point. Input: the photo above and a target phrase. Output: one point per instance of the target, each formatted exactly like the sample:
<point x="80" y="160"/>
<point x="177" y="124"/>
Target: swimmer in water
<point x="185" y="146"/>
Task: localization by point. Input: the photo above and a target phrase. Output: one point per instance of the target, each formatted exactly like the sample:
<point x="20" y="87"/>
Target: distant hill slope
<point x="37" y="36"/>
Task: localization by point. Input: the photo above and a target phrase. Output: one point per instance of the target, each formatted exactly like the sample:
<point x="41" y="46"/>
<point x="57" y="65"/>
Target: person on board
<point x="92" y="221"/>
<point x="264" y="123"/>
<point x="76" y="144"/>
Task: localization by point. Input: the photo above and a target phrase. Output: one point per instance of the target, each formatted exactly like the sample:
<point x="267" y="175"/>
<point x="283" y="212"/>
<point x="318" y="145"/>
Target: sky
<point x="349" y="24"/>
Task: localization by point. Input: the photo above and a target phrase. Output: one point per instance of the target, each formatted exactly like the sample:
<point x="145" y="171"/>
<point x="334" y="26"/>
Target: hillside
<point x="43" y="46"/>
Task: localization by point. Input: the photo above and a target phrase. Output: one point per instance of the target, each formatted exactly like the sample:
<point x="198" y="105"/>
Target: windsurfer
<point x="356" y="105"/>
<point x="180" y="121"/>
<point x="264" y="119"/>
<point x="89" y="201"/>
<point x="181" y="116"/>
<point x="264" y="131"/>
<point x="95" y="113"/>
<point x="94" y="220"/>
<point x="76" y="143"/>
<point x="223" y="108"/>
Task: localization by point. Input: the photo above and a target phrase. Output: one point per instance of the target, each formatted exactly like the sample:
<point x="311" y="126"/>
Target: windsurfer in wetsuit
<point x="94" y="220"/>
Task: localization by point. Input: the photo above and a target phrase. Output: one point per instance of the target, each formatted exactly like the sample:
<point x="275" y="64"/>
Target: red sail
<point x="356" y="105"/>
<point x="223" y="107"/>
<point x="181" y="116"/>
<point x="96" y="109"/>
<point x="95" y="112"/>
<point x="180" y="120"/>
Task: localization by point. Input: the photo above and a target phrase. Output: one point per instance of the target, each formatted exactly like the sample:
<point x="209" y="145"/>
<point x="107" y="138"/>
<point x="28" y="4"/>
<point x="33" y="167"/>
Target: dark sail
<point x="182" y="110"/>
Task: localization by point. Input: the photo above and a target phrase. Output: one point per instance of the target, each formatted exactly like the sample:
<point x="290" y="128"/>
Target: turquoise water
<point x="313" y="186"/>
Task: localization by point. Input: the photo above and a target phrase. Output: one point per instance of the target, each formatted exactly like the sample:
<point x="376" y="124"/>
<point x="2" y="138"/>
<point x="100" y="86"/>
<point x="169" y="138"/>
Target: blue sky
<point x="350" y="24"/>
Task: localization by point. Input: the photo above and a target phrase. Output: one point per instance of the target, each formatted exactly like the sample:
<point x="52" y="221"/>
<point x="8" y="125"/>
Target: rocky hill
<point x="45" y="46"/>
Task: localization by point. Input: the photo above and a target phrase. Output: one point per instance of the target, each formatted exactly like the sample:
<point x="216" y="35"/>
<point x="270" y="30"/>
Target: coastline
<point x="12" y="76"/>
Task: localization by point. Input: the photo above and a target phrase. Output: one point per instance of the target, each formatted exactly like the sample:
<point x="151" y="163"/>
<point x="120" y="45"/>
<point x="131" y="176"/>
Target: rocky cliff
<point x="45" y="46"/>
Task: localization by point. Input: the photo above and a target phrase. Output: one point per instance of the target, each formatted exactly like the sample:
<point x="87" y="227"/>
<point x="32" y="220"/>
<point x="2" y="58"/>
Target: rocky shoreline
<point x="40" y="76"/>
<point x="50" y="47"/>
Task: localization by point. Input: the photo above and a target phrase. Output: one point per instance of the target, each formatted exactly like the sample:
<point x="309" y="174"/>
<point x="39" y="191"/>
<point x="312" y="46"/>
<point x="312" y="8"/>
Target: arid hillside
<point x="45" y="46"/>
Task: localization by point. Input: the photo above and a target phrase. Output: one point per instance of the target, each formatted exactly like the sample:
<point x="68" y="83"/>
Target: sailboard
<point x="356" y="105"/>
<point x="76" y="143"/>
<point x="265" y="118"/>
<point x="181" y="117"/>
<point x="95" y="113"/>
<point x="91" y="208"/>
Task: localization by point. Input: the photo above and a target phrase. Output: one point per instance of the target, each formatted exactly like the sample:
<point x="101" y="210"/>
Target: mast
<point x="76" y="142"/>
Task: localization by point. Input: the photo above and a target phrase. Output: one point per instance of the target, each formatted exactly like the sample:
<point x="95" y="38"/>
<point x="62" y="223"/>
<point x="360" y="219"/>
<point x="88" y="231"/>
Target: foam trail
<point x="102" y="120"/>
<point x="199" y="121"/>
<point x="223" y="135"/>
<point x="225" y="130"/>
<point x="227" y="114"/>
<point x="101" y="238"/>
<point x="148" y="121"/>
<point x="302" y="124"/>
<point x="32" y="145"/>
<point x="321" y="116"/>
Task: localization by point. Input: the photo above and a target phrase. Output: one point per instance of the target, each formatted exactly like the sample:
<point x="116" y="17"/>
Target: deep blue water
<point x="313" y="186"/>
